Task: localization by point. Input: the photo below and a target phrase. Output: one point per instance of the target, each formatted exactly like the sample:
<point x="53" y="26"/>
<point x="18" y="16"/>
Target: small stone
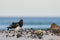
<point x="13" y="35"/>
<point x="18" y="35"/>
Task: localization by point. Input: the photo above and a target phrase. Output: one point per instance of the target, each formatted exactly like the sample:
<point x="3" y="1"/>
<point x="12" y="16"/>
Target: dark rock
<point x="13" y="35"/>
<point x="6" y="35"/>
<point x="40" y="37"/>
<point x="55" y="28"/>
<point x="18" y="35"/>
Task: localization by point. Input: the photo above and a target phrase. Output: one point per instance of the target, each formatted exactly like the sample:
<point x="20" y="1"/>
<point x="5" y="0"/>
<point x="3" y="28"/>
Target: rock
<point x="13" y="35"/>
<point x="40" y="37"/>
<point x="6" y="35"/>
<point x="54" y="26"/>
<point x="18" y="35"/>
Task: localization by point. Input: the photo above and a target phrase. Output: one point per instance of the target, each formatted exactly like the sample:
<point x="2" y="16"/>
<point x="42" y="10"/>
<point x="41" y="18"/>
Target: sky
<point x="29" y="8"/>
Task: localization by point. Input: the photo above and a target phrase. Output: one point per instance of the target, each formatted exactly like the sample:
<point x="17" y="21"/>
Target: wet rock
<point x="18" y="35"/>
<point x="54" y="26"/>
<point x="6" y="35"/>
<point x="40" y="37"/>
<point x="55" y="29"/>
<point x="13" y="35"/>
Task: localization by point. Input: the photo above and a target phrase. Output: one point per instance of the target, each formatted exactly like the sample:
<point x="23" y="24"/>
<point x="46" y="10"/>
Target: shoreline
<point x="3" y="36"/>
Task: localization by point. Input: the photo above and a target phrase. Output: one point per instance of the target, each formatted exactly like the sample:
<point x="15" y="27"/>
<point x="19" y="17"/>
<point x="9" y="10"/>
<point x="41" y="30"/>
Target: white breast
<point x="17" y="28"/>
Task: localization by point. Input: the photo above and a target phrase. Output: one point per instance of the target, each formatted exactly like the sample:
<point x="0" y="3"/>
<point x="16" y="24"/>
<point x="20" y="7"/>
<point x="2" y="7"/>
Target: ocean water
<point x="29" y="22"/>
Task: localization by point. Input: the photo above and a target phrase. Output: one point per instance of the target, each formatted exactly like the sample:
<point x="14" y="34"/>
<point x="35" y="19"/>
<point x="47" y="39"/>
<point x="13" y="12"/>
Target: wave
<point x="4" y="27"/>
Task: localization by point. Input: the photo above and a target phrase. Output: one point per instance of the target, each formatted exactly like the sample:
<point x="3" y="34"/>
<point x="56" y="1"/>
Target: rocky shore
<point x="31" y="34"/>
<point x="28" y="34"/>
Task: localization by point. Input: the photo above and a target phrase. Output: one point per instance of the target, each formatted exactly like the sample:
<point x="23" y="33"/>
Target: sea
<point x="29" y="22"/>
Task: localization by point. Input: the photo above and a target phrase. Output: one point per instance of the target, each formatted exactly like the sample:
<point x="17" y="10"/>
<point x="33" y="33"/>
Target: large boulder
<point x="55" y="28"/>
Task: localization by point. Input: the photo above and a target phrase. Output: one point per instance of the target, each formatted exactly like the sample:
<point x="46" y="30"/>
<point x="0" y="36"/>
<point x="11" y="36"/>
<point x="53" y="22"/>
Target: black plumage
<point x="14" y="24"/>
